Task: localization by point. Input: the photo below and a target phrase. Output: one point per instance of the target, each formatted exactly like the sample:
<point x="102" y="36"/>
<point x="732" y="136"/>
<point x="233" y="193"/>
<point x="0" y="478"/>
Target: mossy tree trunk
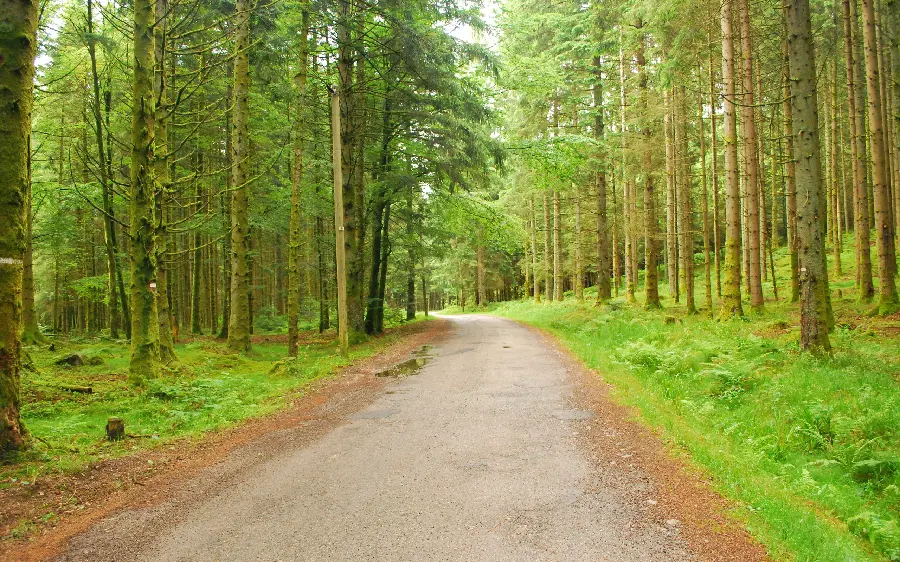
<point x="651" y="273"/>
<point x="815" y="304"/>
<point x="18" y="45"/>
<point x="731" y="287"/>
<point x="162" y="240"/>
<point x="239" y="321"/>
<point x="144" y="322"/>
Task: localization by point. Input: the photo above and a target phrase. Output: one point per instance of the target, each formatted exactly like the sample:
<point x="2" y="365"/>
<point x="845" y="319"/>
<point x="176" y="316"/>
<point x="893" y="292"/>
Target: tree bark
<point x="145" y="356"/>
<point x="751" y="160"/>
<point x="578" y="274"/>
<point x="534" y="256"/>
<point x="557" y="250"/>
<point x="856" y="112"/>
<point x="17" y="51"/>
<point x="603" y="247"/>
<point x="815" y="304"/>
<point x="704" y="194"/>
<point x="671" y="200"/>
<point x="548" y="285"/>
<point x="239" y="321"/>
<point x="683" y="200"/>
<point x="717" y="237"/>
<point x="162" y="241"/>
<point x="731" y="288"/>
<point x="295" y="226"/>
<point x="651" y="275"/>
<point x="884" y="241"/>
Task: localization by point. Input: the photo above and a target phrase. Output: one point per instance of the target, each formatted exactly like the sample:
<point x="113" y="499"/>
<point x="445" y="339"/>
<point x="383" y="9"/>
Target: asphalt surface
<point x="475" y="457"/>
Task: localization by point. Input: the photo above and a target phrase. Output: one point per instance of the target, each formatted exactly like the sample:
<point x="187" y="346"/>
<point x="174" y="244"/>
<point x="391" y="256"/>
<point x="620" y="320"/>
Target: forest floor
<point x="490" y="443"/>
<point x="807" y="449"/>
<point x="209" y="402"/>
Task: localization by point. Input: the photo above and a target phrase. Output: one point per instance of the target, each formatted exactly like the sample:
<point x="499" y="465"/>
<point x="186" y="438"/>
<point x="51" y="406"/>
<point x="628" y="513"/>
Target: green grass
<point x="808" y="448"/>
<point x="208" y="389"/>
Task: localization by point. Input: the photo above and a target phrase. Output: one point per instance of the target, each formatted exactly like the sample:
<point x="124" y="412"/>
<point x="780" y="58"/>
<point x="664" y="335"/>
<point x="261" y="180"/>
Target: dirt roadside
<point x="79" y="500"/>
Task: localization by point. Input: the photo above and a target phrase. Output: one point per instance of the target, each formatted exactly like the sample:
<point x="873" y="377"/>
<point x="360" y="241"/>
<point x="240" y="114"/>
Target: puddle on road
<point x="405" y="369"/>
<point x="424" y="351"/>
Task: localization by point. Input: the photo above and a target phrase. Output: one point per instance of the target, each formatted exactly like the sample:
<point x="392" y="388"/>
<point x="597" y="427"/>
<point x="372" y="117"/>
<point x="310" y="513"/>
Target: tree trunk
<point x="603" y="248"/>
<point x="884" y="241"/>
<point x="731" y="288"/>
<point x="557" y="251"/>
<point x="683" y="200"/>
<point x="671" y="200"/>
<point x="704" y="194"/>
<point x="751" y="160"/>
<point x="295" y="222"/>
<point x="815" y="304"/>
<point x="239" y="321"/>
<point x="534" y="255"/>
<point x="162" y="240"/>
<point x="855" y="101"/>
<point x="651" y="281"/>
<point x="717" y="237"/>
<point x="31" y="332"/>
<point x="145" y="356"/>
<point x="578" y="274"/>
<point x="548" y="284"/>
<point x="103" y="169"/>
<point x="479" y="268"/>
<point x="17" y="51"/>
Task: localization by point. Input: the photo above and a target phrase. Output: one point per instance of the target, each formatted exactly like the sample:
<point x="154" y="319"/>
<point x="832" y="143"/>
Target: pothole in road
<point x="405" y="369"/>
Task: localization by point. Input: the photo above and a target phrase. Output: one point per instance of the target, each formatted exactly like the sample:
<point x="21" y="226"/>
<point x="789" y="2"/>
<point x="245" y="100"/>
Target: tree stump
<point x="115" y="429"/>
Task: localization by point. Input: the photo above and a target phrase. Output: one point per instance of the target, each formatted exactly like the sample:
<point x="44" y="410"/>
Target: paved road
<point x="475" y="458"/>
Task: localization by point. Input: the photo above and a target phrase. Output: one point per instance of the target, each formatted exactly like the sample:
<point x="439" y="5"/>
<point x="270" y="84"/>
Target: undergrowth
<point x="207" y="389"/>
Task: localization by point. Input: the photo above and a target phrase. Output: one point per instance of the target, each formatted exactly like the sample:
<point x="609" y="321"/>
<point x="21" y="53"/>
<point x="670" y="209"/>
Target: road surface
<point x="475" y="457"/>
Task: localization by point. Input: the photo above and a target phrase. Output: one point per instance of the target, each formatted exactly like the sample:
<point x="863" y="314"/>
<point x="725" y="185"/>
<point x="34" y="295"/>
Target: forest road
<point x="476" y="457"/>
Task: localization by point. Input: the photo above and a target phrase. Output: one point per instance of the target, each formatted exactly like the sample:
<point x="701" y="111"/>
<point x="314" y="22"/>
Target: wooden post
<point x="341" y="268"/>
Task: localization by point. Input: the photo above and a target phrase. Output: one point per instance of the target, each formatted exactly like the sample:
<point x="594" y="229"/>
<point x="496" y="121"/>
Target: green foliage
<point x="209" y="389"/>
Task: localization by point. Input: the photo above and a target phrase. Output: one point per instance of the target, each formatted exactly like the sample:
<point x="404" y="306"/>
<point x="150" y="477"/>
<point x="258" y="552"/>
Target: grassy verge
<point x="808" y="448"/>
<point x="208" y="389"/>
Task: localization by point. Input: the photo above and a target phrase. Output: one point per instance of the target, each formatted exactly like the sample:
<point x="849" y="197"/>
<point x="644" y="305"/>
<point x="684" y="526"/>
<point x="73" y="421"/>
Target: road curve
<point x="474" y="458"/>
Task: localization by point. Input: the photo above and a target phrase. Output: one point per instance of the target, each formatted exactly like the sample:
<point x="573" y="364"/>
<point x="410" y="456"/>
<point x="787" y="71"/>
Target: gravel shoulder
<point x="498" y="447"/>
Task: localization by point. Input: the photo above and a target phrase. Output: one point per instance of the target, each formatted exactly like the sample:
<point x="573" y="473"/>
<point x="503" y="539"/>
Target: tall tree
<point x="731" y="288"/>
<point x="144" y="320"/>
<point x="751" y="159"/>
<point x="295" y="226"/>
<point x="19" y="21"/>
<point x="239" y="323"/>
<point x="884" y="241"/>
<point x="815" y="304"/>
